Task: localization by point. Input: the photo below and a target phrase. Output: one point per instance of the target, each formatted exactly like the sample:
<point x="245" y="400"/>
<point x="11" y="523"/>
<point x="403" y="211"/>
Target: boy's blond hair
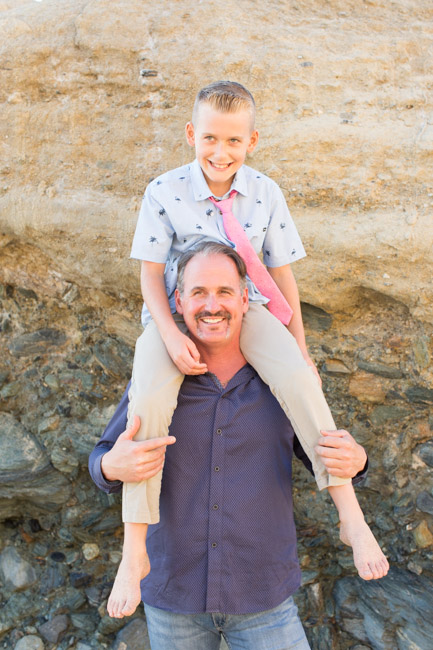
<point x="226" y="97"/>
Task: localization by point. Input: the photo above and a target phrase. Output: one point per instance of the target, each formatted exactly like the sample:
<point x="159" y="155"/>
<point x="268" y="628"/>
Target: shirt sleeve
<point x="300" y="453"/>
<point x="154" y="232"/>
<point x="115" y="427"/>
<point x="282" y="243"/>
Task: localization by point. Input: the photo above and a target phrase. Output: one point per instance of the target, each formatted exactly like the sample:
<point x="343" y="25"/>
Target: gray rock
<point x="26" y="474"/>
<point x="114" y="356"/>
<point x="17" y="572"/>
<point x="425" y="452"/>
<point x="380" y="369"/>
<point x="424" y="502"/>
<point x="133" y="635"/>
<point x="315" y="318"/>
<point x="30" y="642"/>
<point x="385" y="612"/>
<point x="35" y="343"/>
<point x="382" y="414"/>
<point x="53" y="630"/>
<point x="420" y="394"/>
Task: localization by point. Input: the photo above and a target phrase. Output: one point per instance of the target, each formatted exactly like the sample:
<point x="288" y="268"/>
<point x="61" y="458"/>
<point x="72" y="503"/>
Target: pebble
<point x="424" y="502"/>
<point x="335" y="366"/>
<point x="90" y="551"/>
<point x="425" y="452"/>
<point x="17" y="572"/>
<point x="30" y="642"/>
<point x="53" y="630"/>
<point x="423" y="536"/>
<point x="134" y="635"/>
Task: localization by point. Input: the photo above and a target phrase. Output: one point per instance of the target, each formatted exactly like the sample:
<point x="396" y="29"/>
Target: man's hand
<point x="130" y="461"/>
<point x="341" y="454"/>
<point x="184" y="354"/>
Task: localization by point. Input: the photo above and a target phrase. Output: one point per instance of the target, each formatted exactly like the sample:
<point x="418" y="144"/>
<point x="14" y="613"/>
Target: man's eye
<point x="234" y="140"/>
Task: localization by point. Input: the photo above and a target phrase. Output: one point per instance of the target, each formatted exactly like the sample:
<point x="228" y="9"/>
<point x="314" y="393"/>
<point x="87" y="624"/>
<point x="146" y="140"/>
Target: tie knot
<point x="225" y="205"/>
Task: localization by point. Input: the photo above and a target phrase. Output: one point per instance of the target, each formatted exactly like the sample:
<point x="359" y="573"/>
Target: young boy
<point x="180" y="210"/>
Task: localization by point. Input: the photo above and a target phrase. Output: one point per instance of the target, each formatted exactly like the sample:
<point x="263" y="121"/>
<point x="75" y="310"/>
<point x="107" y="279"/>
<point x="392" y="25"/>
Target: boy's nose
<point x="220" y="150"/>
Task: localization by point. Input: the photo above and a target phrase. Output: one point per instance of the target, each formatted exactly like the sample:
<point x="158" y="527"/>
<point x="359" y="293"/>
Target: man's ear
<point x="190" y="134"/>
<point x="177" y="301"/>
<point x="245" y="301"/>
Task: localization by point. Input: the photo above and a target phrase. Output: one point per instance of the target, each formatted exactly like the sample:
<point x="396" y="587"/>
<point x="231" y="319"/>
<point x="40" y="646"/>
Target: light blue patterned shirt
<point x="176" y="214"/>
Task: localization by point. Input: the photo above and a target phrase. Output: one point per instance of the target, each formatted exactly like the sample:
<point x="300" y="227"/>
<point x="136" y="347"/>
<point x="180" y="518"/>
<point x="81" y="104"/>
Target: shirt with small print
<point x="176" y="214"/>
<point x="226" y="540"/>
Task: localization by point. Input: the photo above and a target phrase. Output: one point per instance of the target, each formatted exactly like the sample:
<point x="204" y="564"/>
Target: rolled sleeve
<point x="114" y="428"/>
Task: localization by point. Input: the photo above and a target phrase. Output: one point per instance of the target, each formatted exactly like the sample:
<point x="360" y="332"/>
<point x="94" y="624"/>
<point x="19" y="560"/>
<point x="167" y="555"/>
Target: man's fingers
<point x="337" y="433"/>
<point x="156" y="443"/>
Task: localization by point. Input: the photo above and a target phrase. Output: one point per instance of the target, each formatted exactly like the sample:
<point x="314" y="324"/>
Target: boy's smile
<point x="221" y="141"/>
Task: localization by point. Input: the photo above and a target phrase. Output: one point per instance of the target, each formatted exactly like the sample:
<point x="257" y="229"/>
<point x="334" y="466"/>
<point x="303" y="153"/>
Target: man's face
<point x="221" y="141"/>
<point x="212" y="302"/>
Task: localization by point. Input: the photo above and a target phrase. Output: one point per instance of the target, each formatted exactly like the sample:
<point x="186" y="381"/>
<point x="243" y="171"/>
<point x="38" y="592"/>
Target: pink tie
<point x="277" y="304"/>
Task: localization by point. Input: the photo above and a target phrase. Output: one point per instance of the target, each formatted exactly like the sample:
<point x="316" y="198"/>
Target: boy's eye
<point x="234" y="140"/>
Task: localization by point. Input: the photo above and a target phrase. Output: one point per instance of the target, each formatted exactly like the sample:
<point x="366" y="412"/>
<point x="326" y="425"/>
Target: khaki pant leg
<point x="270" y="348"/>
<point x="153" y="394"/>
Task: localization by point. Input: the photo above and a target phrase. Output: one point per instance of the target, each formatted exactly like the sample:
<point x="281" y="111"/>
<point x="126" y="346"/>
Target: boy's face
<point x="221" y="141"/>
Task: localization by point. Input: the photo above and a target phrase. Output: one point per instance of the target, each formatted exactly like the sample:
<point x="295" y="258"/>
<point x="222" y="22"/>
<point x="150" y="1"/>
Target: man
<point x="223" y="556"/>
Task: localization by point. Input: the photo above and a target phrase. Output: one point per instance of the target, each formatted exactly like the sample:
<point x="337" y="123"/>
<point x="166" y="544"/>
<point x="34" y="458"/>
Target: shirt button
<point x="219" y="431"/>
<point x="217" y="469"/>
<point x="215" y="507"/>
<point x="214" y="545"/>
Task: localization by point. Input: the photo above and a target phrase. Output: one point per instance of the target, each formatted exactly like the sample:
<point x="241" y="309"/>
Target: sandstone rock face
<point x="94" y="97"/>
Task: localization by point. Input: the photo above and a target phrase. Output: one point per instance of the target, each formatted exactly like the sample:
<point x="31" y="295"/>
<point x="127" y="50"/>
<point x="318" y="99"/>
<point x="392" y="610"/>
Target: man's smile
<point x="213" y="319"/>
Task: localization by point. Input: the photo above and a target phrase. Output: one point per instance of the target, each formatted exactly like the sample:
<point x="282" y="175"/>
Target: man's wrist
<point x="105" y="468"/>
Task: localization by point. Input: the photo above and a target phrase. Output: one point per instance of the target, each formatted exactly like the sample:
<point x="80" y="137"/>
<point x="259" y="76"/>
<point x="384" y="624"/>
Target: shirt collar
<point x="201" y="189"/>
<point x="244" y="375"/>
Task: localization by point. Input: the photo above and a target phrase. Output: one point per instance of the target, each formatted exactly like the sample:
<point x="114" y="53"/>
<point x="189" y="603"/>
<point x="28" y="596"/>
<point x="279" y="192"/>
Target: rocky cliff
<point x="95" y="95"/>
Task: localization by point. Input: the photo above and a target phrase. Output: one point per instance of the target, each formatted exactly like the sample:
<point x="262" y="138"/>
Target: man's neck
<point x="222" y="364"/>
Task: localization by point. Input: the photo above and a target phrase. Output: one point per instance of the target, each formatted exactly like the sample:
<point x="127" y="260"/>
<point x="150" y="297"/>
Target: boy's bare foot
<point x="367" y="554"/>
<point x="125" y="595"/>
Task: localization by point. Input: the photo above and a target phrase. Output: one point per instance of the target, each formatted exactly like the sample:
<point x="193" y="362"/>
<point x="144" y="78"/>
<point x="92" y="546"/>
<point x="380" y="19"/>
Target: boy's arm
<point x="285" y="280"/>
<point x="179" y="346"/>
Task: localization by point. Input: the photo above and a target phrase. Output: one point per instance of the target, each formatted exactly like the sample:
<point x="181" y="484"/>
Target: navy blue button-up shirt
<point x="226" y="540"/>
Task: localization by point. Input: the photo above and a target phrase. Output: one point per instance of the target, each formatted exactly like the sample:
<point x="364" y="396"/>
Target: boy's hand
<point x="185" y="354"/>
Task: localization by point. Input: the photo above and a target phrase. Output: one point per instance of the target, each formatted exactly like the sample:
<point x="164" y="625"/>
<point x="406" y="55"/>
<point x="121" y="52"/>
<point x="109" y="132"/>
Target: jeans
<point x="276" y="629"/>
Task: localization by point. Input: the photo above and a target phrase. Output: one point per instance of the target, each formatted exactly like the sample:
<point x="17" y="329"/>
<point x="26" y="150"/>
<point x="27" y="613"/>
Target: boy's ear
<point x="190" y="134"/>
<point x="254" y="138"/>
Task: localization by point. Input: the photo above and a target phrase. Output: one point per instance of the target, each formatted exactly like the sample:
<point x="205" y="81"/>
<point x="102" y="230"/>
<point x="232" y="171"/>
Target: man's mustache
<point x="217" y="314"/>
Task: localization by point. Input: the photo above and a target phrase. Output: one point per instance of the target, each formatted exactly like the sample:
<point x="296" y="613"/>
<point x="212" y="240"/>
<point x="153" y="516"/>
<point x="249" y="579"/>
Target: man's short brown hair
<point x="226" y="97"/>
<point x="211" y="248"/>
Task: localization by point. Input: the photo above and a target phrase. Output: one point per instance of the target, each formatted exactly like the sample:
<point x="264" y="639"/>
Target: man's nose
<point x="212" y="303"/>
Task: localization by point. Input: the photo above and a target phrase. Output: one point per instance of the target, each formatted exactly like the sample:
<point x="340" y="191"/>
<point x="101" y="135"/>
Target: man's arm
<point x="341" y="455"/>
<point x="118" y="458"/>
